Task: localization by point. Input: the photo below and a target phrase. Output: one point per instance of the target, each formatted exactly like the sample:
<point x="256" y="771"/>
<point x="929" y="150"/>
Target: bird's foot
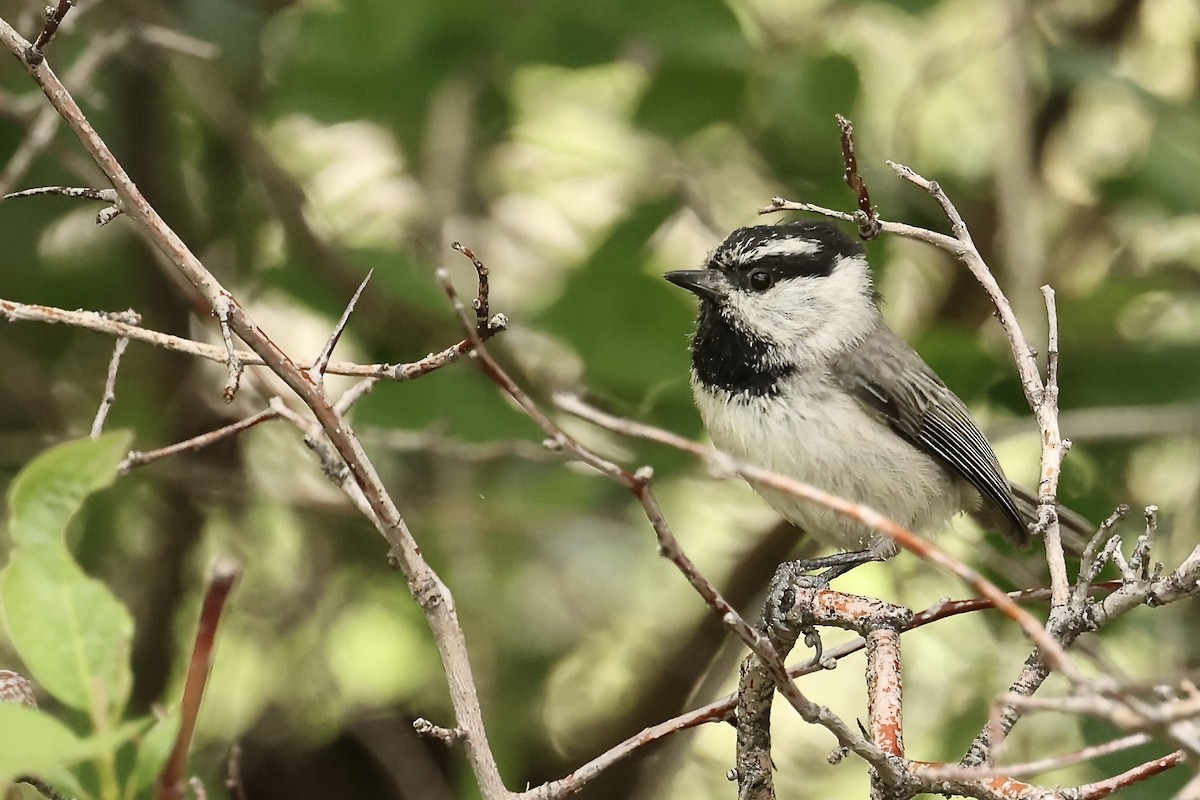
<point x="816" y="573"/>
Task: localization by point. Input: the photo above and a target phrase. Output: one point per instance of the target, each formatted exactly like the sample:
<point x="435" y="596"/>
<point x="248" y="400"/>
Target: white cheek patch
<point x="809" y="318"/>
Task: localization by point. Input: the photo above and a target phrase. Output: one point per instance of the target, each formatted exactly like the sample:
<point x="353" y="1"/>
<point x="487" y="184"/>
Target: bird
<point x="795" y="370"/>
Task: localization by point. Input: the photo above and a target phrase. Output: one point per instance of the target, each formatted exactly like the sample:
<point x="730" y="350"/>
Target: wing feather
<point x="894" y="384"/>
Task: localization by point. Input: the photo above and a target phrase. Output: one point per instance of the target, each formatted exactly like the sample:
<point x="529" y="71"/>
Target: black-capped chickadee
<point x="794" y="370"/>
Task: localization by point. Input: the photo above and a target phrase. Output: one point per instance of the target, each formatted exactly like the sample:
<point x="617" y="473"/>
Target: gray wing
<point x="895" y="385"/>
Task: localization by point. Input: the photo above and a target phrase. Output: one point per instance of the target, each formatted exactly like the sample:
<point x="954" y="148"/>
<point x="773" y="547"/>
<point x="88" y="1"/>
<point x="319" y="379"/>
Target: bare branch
<point x="137" y="458"/>
<point x="110" y="392"/>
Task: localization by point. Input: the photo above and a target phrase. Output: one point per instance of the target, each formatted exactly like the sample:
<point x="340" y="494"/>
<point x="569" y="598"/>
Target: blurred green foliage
<point x="581" y="149"/>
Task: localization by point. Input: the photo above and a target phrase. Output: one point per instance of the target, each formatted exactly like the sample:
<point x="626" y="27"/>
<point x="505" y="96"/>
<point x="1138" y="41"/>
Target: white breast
<point x="830" y="442"/>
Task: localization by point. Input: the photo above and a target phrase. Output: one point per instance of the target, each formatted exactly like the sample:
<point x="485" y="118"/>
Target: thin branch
<point x="1105" y="788"/>
<point x="138" y="458"/>
<point x="110" y="390"/>
<point x="1054" y="447"/>
<point x="222" y="307"/>
<point x="110" y="383"/>
<point x="103" y="322"/>
<point x="955" y="772"/>
<point x="233" y="774"/>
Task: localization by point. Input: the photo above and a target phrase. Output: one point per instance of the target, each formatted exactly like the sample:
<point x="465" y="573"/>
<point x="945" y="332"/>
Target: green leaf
<point x="71" y="632"/>
<point x="33" y="742"/>
<point x="52" y="487"/>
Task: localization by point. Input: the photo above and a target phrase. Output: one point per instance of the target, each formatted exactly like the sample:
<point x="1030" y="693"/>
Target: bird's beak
<point x="707" y="284"/>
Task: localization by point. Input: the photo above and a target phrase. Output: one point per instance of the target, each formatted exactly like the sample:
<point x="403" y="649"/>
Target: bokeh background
<point x="581" y="149"/>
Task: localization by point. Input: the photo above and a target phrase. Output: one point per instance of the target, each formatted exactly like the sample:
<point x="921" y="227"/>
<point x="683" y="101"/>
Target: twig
<point x="220" y="584"/>
<point x="1104" y="788"/>
<point x="481" y="299"/>
<point x="446" y="736"/>
<point x="110" y="393"/>
<point x="1089" y="564"/>
<point x="867" y="217"/>
<point x="1054" y="447"/>
<point x="110" y="383"/>
<point x="102" y="322"/>
<point x="955" y="772"/>
<point x="355" y="393"/>
<point x="322" y="363"/>
<point x="431" y="441"/>
<point x="44" y="124"/>
<point x="138" y="458"/>
<point x="233" y="773"/>
<point x="54" y="17"/>
<point x="222" y="307"/>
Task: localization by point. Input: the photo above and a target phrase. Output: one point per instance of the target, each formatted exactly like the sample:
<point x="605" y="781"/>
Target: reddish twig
<point x="169" y="785"/>
<point x="54" y="18"/>
<point x="867" y="217"/>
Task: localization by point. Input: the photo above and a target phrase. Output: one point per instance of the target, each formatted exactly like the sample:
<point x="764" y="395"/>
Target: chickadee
<point x="795" y="370"/>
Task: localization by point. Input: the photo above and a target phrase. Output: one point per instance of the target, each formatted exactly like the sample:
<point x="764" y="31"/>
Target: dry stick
<point x="1105" y="788"/>
<point x="718" y="711"/>
<point x="954" y="772"/>
<point x="639" y="484"/>
<point x="169" y="785"/>
<point x="433" y="596"/>
<point x="322" y="363"/>
<point x="101" y="322"/>
<point x="110" y="383"/>
<point x="138" y="458"/>
<point x="857" y="511"/>
<point x="1054" y="447"/>
<point x="110" y="388"/>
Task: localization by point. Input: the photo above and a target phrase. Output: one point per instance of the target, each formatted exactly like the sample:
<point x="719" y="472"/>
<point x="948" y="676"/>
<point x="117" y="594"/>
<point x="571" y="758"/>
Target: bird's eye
<point x="761" y="280"/>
